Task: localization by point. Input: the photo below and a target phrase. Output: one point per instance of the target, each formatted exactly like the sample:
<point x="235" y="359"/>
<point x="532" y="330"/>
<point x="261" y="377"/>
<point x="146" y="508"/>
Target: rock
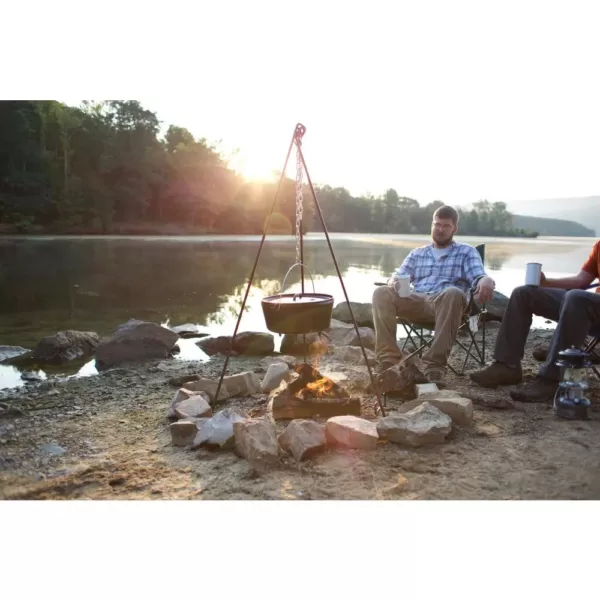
<point x="183" y="432"/>
<point x="53" y="449"/>
<point x="194" y="406"/>
<point x="310" y="344"/>
<point x="344" y="334"/>
<point x="496" y="307"/>
<point x="351" y="432"/>
<point x="363" y="313"/>
<point x="303" y="438"/>
<point x="241" y="384"/>
<point x="66" y="346"/>
<point x="459" y="409"/>
<point x="250" y="343"/>
<point x="182" y="380"/>
<point x="60" y="348"/>
<point x="540" y="351"/>
<point x="275" y="374"/>
<point x="186" y="335"/>
<point x="10" y="411"/>
<point x="218" y="430"/>
<point x="422" y="426"/>
<point x="30" y="376"/>
<point x="501" y="402"/>
<point x="7" y="352"/>
<point x="425" y="388"/>
<point x="189" y="330"/>
<point x="135" y="341"/>
<point x="180" y="395"/>
<point x="267" y="361"/>
<point x="256" y="440"/>
<point x="352" y="355"/>
<point x="215" y="345"/>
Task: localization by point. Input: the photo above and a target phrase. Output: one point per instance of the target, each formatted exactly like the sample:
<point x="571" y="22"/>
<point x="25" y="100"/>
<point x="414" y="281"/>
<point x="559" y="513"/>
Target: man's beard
<point x="442" y="242"/>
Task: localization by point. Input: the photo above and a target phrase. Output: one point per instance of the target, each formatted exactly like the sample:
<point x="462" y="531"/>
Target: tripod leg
<point x="262" y="241"/>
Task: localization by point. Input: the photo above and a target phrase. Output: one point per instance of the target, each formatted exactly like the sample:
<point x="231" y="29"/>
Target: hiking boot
<point x="538" y="390"/>
<point x="385" y="365"/>
<point x="436" y="375"/>
<point x="497" y="374"/>
<point x="399" y="377"/>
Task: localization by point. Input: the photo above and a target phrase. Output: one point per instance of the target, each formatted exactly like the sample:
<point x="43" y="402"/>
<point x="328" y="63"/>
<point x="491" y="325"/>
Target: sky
<point x="453" y="101"/>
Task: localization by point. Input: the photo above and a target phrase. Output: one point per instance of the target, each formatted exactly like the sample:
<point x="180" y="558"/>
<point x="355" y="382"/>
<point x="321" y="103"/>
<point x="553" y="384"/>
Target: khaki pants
<point x="445" y="309"/>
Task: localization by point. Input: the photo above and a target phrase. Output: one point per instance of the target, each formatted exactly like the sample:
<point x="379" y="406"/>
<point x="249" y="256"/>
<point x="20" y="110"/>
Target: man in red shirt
<point x="564" y="300"/>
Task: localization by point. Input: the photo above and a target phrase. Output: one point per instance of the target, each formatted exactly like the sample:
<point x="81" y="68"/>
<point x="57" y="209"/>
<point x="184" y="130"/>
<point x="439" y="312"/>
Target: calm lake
<point x="95" y="283"/>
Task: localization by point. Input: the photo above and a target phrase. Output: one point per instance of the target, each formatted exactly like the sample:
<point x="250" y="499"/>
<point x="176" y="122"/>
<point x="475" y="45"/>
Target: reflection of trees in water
<point x="494" y="261"/>
<point x="183" y="277"/>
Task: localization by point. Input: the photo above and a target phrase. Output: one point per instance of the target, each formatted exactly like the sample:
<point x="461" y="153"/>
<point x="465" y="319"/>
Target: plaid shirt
<point x="461" y="267"/>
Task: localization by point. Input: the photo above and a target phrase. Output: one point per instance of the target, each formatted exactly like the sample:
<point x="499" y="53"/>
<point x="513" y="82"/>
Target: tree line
<point x="105" y="167"/>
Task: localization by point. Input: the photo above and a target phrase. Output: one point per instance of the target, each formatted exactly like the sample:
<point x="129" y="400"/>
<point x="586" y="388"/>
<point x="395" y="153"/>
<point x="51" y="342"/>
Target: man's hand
<point x="485" y="289"/>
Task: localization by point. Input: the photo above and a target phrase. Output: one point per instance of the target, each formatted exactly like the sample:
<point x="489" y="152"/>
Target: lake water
<point x="95" y="283"/>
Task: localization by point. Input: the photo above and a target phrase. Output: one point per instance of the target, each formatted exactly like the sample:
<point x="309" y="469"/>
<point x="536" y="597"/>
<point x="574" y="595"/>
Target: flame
<point x="320" y="388"/>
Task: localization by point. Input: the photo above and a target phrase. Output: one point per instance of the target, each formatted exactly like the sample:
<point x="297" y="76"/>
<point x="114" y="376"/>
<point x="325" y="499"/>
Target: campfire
<point x="311" y="394"/>
<point x="311" y="384"/>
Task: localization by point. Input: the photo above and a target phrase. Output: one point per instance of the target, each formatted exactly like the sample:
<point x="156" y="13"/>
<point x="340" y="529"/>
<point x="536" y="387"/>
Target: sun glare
<point x="253" y="168"/>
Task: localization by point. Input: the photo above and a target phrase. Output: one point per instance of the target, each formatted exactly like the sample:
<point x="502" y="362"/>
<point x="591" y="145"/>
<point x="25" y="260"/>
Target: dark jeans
<point x="576" y="311"/>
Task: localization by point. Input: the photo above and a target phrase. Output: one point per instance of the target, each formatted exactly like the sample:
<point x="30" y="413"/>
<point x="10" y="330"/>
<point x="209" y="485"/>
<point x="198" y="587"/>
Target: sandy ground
<point x="114" y="437"/>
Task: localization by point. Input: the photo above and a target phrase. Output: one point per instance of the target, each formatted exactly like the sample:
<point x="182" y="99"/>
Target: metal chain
<point x="299" y="199"/>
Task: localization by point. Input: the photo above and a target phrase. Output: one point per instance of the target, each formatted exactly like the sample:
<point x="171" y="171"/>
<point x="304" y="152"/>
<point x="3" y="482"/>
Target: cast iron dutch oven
<point x="297" y="313"/>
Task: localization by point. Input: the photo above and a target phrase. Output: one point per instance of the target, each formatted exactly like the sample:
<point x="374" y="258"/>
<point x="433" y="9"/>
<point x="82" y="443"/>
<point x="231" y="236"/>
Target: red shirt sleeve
<point x="591" y="264"/>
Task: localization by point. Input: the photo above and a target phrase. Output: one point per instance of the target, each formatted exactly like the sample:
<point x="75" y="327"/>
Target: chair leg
<point x="482" y="319"/>
<point x="589" y="348"/>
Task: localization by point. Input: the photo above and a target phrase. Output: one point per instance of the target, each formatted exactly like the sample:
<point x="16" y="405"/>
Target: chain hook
<point x="299" y="133"/>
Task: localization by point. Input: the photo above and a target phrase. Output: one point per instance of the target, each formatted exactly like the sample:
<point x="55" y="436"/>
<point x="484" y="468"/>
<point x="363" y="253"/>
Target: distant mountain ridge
<point x="583" y="210"/>
<point x="557" y="227"/>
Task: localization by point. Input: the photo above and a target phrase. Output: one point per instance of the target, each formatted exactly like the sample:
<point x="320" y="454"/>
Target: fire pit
<point x="310" y="395"/>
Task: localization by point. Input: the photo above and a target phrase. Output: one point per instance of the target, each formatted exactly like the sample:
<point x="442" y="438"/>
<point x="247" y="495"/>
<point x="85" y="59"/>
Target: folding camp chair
<point x="420" y="335"/>
<point x="595" y="336"/>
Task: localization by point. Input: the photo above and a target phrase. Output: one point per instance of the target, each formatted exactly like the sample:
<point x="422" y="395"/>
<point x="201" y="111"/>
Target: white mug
<point x="533" y="274"/>
<point x="402" y="285"/>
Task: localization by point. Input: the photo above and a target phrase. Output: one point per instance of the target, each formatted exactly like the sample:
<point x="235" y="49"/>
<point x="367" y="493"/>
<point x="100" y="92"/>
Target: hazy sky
<point x="452" y="100"/>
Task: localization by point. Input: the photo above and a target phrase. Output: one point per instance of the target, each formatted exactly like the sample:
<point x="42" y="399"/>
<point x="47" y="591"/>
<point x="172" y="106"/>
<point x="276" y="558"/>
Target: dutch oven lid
<point x="298" y="298"/>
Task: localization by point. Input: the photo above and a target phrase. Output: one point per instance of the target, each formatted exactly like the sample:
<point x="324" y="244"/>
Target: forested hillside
<point x="104" y="167"/>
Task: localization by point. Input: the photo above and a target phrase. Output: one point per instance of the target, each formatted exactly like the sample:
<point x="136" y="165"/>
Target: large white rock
<point x="267" y="361"/>
<point x="275" y="374"/>
<point x="218" y="430"/>
<point x="352" y="355"/>
<point x="180" y="395"/>
<point x="241" y="384"/>
<point x="256" y="440"/>
<point x="195" y="406"/>
<point x="303" y="438"/>
<point x="351" y="432"/>
<point x="459" y="409"/>
<point x="422" y="426"/>
<point x="344" y="334"/>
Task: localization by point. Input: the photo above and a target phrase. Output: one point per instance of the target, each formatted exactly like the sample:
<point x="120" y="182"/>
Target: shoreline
<point x="107" y="437"/>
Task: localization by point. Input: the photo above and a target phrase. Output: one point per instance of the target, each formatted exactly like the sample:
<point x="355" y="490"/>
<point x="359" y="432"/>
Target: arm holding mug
<point x="575" y="282"/>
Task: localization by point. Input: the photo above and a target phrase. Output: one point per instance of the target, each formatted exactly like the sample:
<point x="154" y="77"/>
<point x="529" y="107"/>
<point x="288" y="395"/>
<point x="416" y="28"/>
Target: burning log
<point x="310" y="395"/>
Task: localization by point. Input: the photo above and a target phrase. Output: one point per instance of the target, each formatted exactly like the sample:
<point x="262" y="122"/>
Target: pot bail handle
<point x="297" y="264"/>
